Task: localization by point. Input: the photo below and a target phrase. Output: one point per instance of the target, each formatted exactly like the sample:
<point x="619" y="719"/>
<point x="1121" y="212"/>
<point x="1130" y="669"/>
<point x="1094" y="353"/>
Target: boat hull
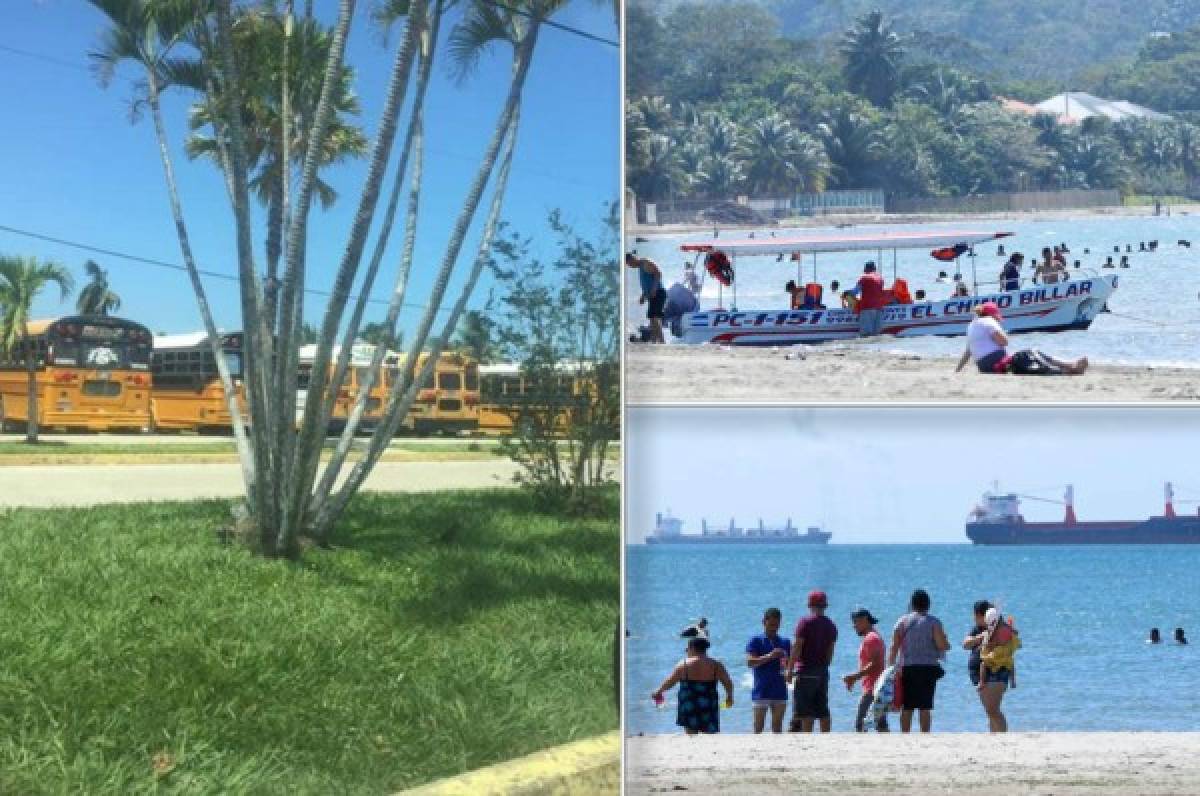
<point x="1156" y="530"/>
<point x="1042" y="308"/>
<point x="709" y="540"/>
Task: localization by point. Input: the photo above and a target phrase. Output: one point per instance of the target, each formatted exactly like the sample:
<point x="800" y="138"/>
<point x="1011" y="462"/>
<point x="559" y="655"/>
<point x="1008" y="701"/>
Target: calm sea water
<point x="1156" y="309"/>
<point x="1083" y="613"/>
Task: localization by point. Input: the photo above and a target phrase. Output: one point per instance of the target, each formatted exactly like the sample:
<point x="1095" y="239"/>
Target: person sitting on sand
<point x="1155" y="638"/>
<point x="1179" y="637"/>
<point x="960" y="287"/>
<point x="767" y="655"/>
<point x="987" y="346"/>
<point x="997" y="655"/>
<point x="697" y="676"/>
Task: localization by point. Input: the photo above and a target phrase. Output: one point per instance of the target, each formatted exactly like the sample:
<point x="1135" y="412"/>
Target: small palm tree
<point x="720" y="177"/>
<point x="21" y="280"/>
<point x="852" y="143"/>
<point x="778" y="160"/>
<point x="95" y="298"/>
<point x="873" y="52"/>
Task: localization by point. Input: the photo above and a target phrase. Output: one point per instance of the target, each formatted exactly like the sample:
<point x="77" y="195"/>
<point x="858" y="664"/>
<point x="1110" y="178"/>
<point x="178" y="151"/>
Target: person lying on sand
<point x="987" y="345"/>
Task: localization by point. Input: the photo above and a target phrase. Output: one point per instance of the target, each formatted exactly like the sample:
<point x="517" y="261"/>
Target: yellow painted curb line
<point x="582" y="768"/>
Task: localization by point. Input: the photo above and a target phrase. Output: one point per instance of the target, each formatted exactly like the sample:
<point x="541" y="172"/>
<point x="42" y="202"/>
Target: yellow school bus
<point x="187" y="393"/>
<point x="92" y="372"/>
<point x="507" y="395"/>
<point x="446" y="402"/>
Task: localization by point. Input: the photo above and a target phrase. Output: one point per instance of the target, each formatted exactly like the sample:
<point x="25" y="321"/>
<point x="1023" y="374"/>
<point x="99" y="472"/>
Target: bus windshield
<point x="100" y="346"/>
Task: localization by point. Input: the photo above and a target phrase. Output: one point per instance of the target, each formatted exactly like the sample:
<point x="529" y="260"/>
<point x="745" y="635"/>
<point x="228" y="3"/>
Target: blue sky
<point x="74" y="167"/>
<point x="903" y="475"/>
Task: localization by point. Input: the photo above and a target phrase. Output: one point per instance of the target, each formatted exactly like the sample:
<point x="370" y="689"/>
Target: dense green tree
<point x="477" y="336"/>
<point x="853" y="146"/>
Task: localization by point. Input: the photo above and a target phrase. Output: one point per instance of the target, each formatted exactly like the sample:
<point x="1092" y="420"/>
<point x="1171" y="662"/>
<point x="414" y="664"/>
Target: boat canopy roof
<point x="843" y="243"/>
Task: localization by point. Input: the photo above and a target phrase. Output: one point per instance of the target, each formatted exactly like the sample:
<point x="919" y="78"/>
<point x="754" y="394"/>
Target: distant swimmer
<point x="1109" y="263"/>
<point x="1124" y="261"/>
<point x="1179" y="638"/>
<point x="1155" y="638"/>
<point x="640" y="239"/>
<point x="1187" y="244"/>
<point x="698" y="629"/>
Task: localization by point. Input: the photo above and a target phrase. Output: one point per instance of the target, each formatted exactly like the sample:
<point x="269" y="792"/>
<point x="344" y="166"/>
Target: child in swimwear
<point x="997" y="654"/>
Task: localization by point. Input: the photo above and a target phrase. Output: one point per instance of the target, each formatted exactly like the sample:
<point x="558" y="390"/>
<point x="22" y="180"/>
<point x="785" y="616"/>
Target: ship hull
<point x="1156" y="530"/>
<point x="735" y="541"/>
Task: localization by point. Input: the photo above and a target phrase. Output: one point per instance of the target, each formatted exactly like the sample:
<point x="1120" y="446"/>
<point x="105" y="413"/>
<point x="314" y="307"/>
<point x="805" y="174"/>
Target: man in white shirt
<point x="987" y="345"/>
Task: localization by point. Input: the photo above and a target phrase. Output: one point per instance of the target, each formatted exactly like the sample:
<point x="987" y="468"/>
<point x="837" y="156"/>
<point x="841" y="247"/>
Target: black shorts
<point x="811" y="696"/>
<point x="657" y="304"/>
<point x="919" y="683"/>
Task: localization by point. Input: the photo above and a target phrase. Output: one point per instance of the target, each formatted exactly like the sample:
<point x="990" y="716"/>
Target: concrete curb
<point x="582" y="768"/>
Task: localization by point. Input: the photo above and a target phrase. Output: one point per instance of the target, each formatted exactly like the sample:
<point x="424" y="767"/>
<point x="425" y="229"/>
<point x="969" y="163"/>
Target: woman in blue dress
<point x="697" y="676"/>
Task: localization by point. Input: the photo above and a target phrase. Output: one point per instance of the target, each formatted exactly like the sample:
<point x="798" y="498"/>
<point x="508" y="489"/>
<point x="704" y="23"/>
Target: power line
<point x="173" y="266"/>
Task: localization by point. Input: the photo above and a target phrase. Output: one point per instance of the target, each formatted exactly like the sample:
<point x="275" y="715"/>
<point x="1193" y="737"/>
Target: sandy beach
<point x="849" y="373"/>
<point x="983" y="765"/>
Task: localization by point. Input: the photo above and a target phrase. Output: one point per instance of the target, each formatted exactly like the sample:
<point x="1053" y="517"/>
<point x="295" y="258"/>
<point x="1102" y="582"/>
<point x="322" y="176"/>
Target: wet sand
<point x="849" y="373"/>
<point x="1063" y="764"/>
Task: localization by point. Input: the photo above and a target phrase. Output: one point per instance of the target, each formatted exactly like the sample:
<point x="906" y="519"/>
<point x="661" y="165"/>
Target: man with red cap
<point x="987" y="346"/>
<point x="808" y="665"/>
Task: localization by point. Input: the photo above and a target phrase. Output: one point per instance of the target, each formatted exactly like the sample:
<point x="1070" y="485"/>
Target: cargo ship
<point x="669" y="530"/>
<point x="998" y="521"/>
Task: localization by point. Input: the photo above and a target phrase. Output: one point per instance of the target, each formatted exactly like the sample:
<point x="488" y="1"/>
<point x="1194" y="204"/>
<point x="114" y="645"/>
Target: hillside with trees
<point x="763" y="113"/>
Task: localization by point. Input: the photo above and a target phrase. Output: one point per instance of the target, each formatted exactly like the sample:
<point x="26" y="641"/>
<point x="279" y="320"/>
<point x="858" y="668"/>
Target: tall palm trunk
<point x="414" y="148"/>
<point x="403" y="394"/>
<point x="317" y="413"/>
<point x="185" y="246"/>
<point x="31" y="414"/>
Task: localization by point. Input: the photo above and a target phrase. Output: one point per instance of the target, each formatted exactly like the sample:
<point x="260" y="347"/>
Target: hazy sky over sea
<point x="902" y="475"/>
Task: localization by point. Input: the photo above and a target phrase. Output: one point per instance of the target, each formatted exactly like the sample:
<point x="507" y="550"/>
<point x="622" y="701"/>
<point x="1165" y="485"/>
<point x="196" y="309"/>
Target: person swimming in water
<point x="1155" y="638"/>
<point x="1179" y="638"/>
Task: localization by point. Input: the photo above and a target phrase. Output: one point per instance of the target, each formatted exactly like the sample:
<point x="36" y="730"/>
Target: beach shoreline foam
<point x="978" y="763"/>
<point x="850" y="373"/>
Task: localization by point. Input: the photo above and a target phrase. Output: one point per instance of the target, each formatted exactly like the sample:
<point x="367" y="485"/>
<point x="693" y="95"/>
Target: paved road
<point x="84" y="485"/>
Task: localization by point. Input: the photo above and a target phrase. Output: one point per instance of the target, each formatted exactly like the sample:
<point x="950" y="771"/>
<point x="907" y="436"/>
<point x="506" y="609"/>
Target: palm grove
<point x="750" y="112"/>
<point x="273" y="106"/>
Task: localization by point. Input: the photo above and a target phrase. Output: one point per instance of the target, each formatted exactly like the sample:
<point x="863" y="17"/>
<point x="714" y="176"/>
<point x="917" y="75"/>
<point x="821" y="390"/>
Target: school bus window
<point x="427" y="383"/>
<point x="472" y="380"/>
<point x="449" y="381"/>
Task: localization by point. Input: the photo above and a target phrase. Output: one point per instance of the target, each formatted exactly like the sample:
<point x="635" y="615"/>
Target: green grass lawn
<point x="450" y="631"/>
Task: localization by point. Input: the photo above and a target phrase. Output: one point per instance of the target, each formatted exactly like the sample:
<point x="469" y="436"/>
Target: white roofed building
<point x="1073" y="107"/>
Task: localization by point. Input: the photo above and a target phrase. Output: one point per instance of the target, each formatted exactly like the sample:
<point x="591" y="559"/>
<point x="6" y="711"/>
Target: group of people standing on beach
<point x="902" y="676"/>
